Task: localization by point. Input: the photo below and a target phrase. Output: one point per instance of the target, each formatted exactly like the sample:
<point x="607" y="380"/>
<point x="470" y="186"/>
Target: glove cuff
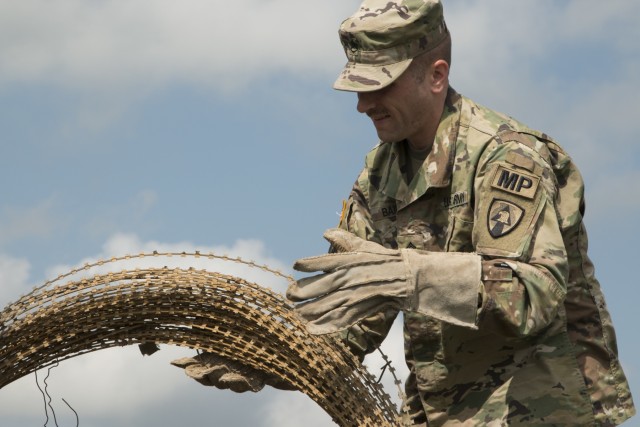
<point x="446" y="285"/>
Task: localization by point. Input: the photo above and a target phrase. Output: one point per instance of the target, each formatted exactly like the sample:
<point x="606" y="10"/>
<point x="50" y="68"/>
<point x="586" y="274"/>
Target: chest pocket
<point x="422" y="224"/>
<point x="459" y="236"/>
<point x="461" y="216"/>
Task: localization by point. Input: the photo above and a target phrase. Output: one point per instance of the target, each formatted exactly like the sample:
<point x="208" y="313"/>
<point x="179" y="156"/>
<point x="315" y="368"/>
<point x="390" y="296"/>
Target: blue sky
<point x="139" y="125"/>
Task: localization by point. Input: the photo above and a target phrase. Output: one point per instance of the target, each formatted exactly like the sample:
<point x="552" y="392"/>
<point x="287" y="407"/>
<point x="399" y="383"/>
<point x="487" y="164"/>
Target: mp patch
<point x="515" y="182"/>
<point x="503" y="217"/>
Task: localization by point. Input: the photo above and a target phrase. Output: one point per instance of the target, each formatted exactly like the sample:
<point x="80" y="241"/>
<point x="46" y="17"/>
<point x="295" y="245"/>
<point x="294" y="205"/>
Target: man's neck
<point x="421" y="147"/>
<point x="425" y="142"/>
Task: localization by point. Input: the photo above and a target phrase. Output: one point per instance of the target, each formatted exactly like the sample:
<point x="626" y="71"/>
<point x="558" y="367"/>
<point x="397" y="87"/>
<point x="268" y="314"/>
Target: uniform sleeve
<point x="518" y="235"/>
<point x="366" y="336"/>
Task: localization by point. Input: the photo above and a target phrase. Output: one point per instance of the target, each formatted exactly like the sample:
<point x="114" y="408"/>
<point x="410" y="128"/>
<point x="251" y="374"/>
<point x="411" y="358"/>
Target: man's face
<point x="403" y="110"/>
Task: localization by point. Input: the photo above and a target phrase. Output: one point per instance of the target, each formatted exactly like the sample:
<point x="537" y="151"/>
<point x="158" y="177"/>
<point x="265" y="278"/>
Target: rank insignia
<point x="503" y="217"/>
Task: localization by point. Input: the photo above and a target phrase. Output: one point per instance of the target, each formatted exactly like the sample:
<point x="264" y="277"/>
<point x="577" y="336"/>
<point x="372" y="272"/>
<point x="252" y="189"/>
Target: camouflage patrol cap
<point x="382" y="38"/>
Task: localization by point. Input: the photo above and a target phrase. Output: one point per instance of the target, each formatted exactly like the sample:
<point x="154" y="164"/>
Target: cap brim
<point x="357" y="77"/>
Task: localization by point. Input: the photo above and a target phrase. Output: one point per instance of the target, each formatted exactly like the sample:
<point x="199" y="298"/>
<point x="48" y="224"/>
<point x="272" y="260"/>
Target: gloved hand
<point x="365" y="278"/>
<point x="213" y="370"/>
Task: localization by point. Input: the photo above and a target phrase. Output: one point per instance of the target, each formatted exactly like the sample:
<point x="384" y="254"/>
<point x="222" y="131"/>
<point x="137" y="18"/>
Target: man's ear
<point x="440" y="76"/>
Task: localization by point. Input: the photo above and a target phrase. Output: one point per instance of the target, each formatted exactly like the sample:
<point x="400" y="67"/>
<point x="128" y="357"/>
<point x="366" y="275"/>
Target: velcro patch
<point x="503" y="217"/>
<point x="386" y="212"/>
<point x="457" y="199"/>
<point x="515" y="182"/>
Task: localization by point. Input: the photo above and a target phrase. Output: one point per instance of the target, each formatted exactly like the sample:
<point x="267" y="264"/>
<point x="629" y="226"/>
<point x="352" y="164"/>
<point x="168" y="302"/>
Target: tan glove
<point x="365" y="278"/>
<point x="213" y="370"/>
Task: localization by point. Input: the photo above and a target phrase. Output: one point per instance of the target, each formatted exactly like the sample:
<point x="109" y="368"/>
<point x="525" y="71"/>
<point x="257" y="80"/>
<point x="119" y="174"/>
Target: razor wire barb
<point x="194" y="308"/>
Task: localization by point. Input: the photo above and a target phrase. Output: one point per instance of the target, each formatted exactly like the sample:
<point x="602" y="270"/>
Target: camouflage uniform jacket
<point x="545" y="349"/>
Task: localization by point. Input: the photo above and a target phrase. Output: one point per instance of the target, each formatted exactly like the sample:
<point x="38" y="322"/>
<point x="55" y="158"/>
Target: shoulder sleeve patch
<point x="521" y="161"/>
<point x="503" y="217"/>
<point x="515" y="181"/>
<point x="508" y="209"/>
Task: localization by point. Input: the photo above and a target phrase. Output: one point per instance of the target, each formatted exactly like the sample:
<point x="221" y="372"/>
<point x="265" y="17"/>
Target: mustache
<point x="377" y="112"/>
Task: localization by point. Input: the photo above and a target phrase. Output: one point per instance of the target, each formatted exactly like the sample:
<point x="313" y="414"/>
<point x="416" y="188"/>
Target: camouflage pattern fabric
<point x="545" y="351"/>
<point x="377" y="53"/>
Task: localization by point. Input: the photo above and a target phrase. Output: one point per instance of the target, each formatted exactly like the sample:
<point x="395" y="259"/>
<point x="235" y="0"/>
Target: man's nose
<point x="366" y="101"/>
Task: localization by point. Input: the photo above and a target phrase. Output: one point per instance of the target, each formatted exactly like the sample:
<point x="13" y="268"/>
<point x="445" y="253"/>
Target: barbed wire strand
<point x="74" y="411"/>
<point x="46" y="391"/>
<point x="44" y="399"/>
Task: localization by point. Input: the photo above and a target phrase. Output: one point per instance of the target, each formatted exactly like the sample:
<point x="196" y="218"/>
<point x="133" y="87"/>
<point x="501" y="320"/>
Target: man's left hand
<point x="364" y="278"/>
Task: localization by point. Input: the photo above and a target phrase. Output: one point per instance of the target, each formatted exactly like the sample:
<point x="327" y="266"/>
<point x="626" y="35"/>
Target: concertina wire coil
<point x="194" y="308"/>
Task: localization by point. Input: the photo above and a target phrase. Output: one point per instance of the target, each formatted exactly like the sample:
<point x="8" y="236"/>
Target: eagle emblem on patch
<point x="503" y="218"/>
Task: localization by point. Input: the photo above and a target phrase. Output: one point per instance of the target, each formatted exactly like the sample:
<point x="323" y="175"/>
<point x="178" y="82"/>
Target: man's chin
<point x="386" y="139"/>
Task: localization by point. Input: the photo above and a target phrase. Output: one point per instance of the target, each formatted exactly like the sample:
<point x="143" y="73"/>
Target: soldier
<point x="469" y="223"/>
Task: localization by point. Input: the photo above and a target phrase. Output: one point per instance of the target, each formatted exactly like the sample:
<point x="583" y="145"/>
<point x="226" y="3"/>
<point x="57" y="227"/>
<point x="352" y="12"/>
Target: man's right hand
<point x="217" y="371"/>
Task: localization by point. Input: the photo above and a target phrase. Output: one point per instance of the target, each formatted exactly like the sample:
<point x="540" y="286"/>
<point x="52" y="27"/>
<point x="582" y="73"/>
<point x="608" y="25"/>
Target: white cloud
<point x="120" y="376"/>
<point x="112" y="54"/>
<point x="121" y="244"/>
<point x="294" y="410"/>
<point x="75" y="42"/>
<point x="119" y="386"/>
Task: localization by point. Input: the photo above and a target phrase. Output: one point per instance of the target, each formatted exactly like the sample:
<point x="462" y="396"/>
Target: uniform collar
<point x="386" y="163"/>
